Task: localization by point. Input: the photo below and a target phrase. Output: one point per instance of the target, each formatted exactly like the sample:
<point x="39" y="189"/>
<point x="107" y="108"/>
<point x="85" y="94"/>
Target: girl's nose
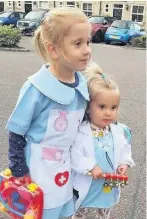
<point x="87" y="50"/>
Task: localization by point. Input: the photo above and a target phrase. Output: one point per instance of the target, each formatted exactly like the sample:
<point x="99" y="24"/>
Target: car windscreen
<point x="35" y="15"/>
<point x="120" y="24"/>
<point x="96" y="20"/>
<point x="5" y="14"/>
<point x="109" y="19"/>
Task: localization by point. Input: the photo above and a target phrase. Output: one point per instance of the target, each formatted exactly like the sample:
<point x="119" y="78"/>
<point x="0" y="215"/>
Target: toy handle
<point x="9" y="208"/>
<point x="103" y="175"/>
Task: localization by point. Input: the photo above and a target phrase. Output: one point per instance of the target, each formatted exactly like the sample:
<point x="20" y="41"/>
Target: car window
<point x="137" y="27"/>
<point x="5" y="14"/>
<point x="120" y="24"/>
<point x="35" y="15"/>
<point x="16" y="14"/>
<point x="109" y="19"/>
<point x="12" y="15"/>
<point x="21" y="15"/>
<point x="131" y="26"/>
<point x="96" y="20"/>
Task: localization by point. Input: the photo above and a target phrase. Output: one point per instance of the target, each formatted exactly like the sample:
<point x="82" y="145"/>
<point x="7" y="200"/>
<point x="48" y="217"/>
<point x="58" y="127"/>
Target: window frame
<point x="71" y="6"/>
<point x="87" y="9"/>
<point x="137" y="13"/>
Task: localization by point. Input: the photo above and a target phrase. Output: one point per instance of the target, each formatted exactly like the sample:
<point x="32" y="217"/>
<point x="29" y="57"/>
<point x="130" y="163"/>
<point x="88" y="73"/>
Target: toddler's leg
<point x="103" y="214"/>
<point x="82" y="213"/>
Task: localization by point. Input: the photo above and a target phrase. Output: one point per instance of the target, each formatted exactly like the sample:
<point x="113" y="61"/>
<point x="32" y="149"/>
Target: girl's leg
<point x="84" y="213"/>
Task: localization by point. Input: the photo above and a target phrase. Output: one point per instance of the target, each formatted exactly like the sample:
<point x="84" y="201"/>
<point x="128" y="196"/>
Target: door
<point x="13" y="18"/>
<point x="1" y="6"/>
<point x="117" y="11"/>
<point x="28" y="6"/>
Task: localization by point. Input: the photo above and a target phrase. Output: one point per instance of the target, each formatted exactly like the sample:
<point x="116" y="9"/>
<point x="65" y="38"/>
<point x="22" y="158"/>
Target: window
<point x="12" y="15"/>
<point x="19" y="4"/>
<point x="107" y="8"/>
<point x="21" y="15"/>
<point x="118" y="6"/>
<point x="71" y="4"/>
<point x="9" y="3"/>
<point x="87" y="8"/>
<point x="61" y="4"/>
<point x="137" y="13"/>
<point x="131" y="26"/>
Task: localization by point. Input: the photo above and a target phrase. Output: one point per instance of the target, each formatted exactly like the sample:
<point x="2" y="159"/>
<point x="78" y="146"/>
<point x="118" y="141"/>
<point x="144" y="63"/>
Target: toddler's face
<point x="104" y="108"/>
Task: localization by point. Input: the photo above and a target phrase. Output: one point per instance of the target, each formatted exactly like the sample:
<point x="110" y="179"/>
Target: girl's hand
<point x="23" y="180"/>
<point x="97" y="172"/>
<point x="122" y="169"/>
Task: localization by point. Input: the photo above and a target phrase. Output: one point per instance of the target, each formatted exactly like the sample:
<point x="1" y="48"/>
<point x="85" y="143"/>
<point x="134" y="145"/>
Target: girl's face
<point x="76" y="50"/>
<point x="104" y="108"/>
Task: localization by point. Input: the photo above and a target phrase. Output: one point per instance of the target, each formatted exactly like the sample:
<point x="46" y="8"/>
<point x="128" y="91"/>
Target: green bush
<point x="139" y="42"/>
<point x="9" y="36"/>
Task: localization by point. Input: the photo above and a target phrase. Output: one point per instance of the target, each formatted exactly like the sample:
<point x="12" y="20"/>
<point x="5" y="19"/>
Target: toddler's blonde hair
<point x="97" y="80"/>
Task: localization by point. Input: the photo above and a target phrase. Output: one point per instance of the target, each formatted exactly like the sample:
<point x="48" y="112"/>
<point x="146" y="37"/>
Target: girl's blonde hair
<point x="55" y="27"/>
<point x="97" y="80"/>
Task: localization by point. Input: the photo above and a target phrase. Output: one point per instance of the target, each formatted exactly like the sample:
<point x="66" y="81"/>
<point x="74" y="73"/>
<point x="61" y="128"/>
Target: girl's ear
<point x="52" y="50"/>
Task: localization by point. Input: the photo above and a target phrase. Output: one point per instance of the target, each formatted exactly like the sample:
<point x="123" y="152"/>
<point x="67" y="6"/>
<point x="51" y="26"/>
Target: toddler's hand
<point x="97" y="172"/>
<point x="122" y="169"/>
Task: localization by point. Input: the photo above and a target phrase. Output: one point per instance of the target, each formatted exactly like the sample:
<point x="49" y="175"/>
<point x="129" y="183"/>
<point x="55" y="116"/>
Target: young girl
<point x="100" y="147"/>
<point x="50" y="107"/>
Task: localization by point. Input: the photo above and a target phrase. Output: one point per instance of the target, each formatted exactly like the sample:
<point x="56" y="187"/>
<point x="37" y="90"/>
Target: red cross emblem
<point x="62" y="178"/>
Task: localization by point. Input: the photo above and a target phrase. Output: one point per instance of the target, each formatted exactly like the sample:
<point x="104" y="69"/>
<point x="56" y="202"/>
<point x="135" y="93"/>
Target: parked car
<point x="123" y="31"/>
<point x="31" y="21"/>
<point x="7" y="18"/>
<point x="99" y="26"/>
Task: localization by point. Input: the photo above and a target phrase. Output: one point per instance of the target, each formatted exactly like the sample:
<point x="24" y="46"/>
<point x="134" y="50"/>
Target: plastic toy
<point x="20" y="199"/>
<point x="114" y="180"/>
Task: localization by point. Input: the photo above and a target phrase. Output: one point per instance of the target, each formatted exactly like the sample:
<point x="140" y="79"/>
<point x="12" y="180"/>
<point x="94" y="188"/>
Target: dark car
<point x="31" y="21"/>
<point x="11" y="18"/>
<point x="99" y="26"/>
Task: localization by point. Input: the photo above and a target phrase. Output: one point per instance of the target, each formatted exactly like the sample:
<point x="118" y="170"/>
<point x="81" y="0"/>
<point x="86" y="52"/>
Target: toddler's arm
<point x="80" y="160"/>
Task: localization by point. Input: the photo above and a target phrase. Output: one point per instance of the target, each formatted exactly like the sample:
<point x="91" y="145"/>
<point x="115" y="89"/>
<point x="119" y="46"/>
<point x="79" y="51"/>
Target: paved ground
<point x="127" y="66"/>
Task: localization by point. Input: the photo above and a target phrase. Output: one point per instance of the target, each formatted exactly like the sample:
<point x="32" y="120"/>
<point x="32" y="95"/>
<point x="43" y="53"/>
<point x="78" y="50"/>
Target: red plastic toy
<point x="20" y="199"/>
<point x="114" y="180"/>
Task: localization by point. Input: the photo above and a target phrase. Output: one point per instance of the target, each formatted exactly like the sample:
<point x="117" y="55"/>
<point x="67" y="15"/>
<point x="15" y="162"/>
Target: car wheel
<point x="98" y="37"/>
<point x="107" y="42"/>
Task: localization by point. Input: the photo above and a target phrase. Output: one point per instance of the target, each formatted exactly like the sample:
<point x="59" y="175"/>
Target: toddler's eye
<point x="101" y="106"/>
<point x="114" y="107"/>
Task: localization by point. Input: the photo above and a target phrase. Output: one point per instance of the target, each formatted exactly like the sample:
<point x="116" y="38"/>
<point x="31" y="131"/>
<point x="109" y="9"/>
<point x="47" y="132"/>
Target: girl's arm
<point x="17" y="160"/>
<point x="28" y="107"/>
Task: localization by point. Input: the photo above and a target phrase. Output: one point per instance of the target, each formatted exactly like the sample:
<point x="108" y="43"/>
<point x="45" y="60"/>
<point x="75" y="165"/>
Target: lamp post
<point x="13" y="4"/>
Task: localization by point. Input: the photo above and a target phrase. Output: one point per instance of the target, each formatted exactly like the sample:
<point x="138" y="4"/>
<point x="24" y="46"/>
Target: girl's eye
<point x="78" y="43"/>
<point x="88" y="42"/>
